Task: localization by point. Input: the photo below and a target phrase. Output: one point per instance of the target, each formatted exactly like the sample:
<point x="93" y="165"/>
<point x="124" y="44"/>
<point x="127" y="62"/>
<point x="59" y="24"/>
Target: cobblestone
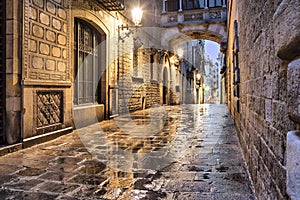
<point x="170" y="152"/>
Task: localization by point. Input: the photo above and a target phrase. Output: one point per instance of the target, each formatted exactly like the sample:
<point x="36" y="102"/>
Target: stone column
<point x="224" y="3"/>
<point x="164" y="6"/>
<point x="180" y="6"/>
<point x="205" y="4"/>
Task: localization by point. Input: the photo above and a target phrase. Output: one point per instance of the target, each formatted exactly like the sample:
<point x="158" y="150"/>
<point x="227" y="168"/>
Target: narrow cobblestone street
<point x="170" y="152"/>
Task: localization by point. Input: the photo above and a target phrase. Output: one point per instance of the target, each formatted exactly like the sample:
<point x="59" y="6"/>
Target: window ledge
<point x="153" y="81"/>
<point x="138" y="79"/>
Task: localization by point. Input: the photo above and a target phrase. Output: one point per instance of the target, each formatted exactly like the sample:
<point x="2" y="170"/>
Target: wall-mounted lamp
<point x="137" y="14"/>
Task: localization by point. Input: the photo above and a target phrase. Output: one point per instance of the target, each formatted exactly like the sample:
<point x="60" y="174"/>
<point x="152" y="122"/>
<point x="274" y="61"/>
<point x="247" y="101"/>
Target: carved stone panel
<point x="46" y="40"/>
<point x="49" y="108"/>
<point x="172" y="18"/>
<point x="215" y="15"/>
<point x="193" y="17"/>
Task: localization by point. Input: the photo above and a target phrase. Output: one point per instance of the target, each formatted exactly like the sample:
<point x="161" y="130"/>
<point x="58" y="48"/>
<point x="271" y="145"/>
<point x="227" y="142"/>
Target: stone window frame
<point x="91" y="88"/>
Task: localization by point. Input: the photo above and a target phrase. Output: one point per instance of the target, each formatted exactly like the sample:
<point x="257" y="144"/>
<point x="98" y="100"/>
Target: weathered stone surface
<point x="64" y="53"/>
<point x="61" y="66"/>
<point x="39" y="3"/>
<point x="58" y="1"/>
<point x="206" y="162"/>
<point x="50" y="65"/>
<point x="50" y="35"/>
<point x="293" y="98"/>
<point x="271" y="30"/>
<point x="51" y="8"/>
<point x="56" y="24"/>
<point x="293" y="164"/>
<point x="32" y="13"/>
<point x="44" y="48"/>
<point x="287" y="29"/>
<point x="44" y="19"/>
<point x="62" y="13"/>
<point x="38" y="31"/>
<point x="62" y="39"/>
<point x="32" y="45"/>
<point x="56" y="52"/>
<point x="37" y="62"/>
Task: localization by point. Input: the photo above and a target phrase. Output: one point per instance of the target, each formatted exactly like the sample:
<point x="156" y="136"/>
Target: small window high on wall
<point x="214" y="3"/>
<point x="89" y="65"/>
<point x="192" y="4"/>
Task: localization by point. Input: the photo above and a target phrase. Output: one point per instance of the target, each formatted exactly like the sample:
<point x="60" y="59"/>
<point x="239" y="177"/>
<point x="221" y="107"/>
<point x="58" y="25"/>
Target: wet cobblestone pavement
<point x="171" y="152"/>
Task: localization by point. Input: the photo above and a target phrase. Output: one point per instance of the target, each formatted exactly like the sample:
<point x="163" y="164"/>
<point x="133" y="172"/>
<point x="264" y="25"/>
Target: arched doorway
<point x="89" y="65"/>
<point x="90" y="81"/>
<point x="165" y="86"/>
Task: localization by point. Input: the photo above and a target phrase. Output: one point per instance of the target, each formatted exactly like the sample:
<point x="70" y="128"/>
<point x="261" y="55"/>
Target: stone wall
<point x="46" y="74"/>
<point x="268" y="35"/>
<point x="13" y="71"/>
<point x="136" y="90"/>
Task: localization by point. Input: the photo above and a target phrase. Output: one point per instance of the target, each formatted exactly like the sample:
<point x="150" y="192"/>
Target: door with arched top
<point x="165" y="86"/>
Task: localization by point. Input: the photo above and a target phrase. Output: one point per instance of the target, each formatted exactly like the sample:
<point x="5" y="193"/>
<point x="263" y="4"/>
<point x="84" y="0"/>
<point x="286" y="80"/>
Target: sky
<point x="212" y="49"/>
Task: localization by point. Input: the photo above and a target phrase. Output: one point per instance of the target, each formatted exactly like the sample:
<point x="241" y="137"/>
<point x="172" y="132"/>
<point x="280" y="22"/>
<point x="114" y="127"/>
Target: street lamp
<point x="137" y="14"/>
<point x="180" y="52"/>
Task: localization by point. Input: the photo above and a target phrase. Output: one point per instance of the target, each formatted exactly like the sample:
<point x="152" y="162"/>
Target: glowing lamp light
<point x="137" y="14"/>
<point x="198" y="76"/>
<point x="180" y="53"/>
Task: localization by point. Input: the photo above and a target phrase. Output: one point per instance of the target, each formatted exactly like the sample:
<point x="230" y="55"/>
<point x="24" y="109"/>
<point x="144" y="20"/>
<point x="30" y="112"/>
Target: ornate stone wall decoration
<point x="215" y="15"/>
<point x="49" y="108"/>
<point x="193" y="17"/>
<point x="173" y="18"/>
<point x="46" y="40"/>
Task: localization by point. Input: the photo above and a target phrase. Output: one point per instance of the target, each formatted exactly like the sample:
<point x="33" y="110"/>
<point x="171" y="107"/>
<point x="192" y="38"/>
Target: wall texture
<point x="268" y="38"/>
<point x="46" y="72"/>
<point x="13" y="71"/>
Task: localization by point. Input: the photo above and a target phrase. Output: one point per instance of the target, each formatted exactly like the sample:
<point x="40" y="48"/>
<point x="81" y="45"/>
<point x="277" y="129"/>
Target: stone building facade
<point x="263" y="93"/>
<point x="67" y="64"/>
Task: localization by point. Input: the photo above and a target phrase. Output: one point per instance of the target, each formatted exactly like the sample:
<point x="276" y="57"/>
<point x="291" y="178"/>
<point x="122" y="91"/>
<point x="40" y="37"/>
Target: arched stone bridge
<point x="207" y="22"/>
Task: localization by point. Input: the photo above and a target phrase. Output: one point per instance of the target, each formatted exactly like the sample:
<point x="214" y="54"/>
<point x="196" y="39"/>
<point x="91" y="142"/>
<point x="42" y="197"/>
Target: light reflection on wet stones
<point x="88" y="179"/>
<point x="30" y="172"/>
<point x="158" y="166"/>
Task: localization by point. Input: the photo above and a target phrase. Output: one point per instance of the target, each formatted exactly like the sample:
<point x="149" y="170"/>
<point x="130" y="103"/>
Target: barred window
<point x="87" y="63"/>
<point x="172" y="5"/>
<point x="192" y="4"/>
<point x="214" y="3"/>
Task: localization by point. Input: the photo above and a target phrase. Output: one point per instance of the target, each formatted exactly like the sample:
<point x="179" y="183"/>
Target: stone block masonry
<point x="267" y="46"/>
<point x="46" y="26"/>
<point x="136" y="90"/>
<point x="46" y="74"/>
